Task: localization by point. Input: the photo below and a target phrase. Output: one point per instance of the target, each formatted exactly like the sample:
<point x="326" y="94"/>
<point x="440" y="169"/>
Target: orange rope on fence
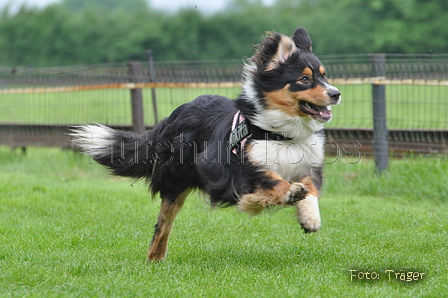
<point x="416" y="82"/>
<point x="118" y="86"/>
<point x="385" y="81"/>
<point x="349" y="81"/>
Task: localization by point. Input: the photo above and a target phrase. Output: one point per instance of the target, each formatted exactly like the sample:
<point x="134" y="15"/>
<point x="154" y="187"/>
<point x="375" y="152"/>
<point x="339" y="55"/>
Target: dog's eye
<point x="304" y="79"/>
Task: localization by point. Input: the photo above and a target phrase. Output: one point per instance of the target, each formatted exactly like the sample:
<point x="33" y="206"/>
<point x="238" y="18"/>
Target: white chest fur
<point x="291" y="159"/>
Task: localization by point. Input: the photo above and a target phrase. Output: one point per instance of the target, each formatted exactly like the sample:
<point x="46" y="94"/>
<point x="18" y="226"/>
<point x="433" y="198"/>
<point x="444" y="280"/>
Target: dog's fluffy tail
<point x="123" y="153"/>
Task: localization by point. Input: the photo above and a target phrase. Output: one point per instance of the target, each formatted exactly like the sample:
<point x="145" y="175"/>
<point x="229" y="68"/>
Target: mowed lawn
<point x="67" y="229"/>
<point x="408" y="107"/>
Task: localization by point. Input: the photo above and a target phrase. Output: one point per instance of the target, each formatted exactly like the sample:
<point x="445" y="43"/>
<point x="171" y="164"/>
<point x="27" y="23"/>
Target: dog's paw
<point x="308" y="213"/>
<point x="311" y="225"/>
<point x="297" y="192"/>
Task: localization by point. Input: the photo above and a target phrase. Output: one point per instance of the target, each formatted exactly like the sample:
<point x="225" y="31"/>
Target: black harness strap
<point x="242" y="130"/>
<point x="261" y="134"/>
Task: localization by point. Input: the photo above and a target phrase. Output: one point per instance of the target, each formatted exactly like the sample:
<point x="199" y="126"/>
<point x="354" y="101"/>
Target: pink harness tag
<point x="238" y="118"/>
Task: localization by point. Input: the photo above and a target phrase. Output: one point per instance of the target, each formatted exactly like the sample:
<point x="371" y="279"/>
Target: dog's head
<point x="287" y="77"/>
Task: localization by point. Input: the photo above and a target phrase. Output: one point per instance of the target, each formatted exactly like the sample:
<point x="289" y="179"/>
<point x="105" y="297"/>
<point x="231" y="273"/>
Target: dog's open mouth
<point x="320" y="113"/>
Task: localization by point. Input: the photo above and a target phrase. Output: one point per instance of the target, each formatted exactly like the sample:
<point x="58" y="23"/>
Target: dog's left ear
<point x="274" y="50"/>
<point x="302" y="40"/>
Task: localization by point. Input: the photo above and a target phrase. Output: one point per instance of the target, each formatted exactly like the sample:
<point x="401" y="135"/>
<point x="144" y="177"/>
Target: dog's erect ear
<point x="302" y="40"/>
<point x="275" y="49"/>
<point x="285" y="49"/>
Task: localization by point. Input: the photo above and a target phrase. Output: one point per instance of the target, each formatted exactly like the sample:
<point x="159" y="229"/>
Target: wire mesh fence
<point x="416" y="97"/>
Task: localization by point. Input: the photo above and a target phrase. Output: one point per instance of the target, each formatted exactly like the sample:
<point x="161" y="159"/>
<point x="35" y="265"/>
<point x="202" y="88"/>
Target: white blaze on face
<point x="329" y="88"/>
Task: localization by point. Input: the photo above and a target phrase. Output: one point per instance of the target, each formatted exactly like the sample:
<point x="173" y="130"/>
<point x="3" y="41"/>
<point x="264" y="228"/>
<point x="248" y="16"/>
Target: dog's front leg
<point x="308" y="208"/>
<point x="280" y="193"/>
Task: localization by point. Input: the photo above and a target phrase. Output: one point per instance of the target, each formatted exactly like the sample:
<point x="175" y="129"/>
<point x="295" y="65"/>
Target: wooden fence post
<point x="152" y="78"/>
<point x="380" y="132"/>
<point x="135" y="73"/>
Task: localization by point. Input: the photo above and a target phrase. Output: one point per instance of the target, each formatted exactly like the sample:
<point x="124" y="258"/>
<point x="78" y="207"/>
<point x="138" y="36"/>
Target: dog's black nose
<point x="334" y="95"/>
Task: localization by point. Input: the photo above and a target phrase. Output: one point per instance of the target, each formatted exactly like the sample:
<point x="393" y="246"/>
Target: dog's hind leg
<point x="168" y="212"/>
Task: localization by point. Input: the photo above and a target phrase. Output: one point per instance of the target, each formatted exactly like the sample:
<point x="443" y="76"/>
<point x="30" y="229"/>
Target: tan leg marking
<point x="281" y="194"/>
<point x="168" y="212"/>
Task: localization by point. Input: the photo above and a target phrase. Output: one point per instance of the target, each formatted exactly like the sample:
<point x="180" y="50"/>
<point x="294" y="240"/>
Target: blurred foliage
<point x="105" y="5"/>
<point x="97" y="31"/>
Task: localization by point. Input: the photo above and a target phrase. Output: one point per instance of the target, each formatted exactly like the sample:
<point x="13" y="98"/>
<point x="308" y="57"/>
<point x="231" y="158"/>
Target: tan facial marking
<point x="308" y="72"/>
<point x="287" y="101"/>
<point x="315" y="95"/>
<point x="282" y="99"/>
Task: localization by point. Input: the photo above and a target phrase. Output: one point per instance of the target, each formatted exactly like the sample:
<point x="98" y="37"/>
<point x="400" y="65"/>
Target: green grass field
<point x="67" y="229"/>
<point x="409" y="107"/>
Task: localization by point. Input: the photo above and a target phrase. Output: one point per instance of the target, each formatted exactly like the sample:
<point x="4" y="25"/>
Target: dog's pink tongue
<point x="325" y="112"/>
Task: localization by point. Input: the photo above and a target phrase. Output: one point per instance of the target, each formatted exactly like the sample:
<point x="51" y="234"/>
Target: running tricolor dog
<point x="263" y="149"/>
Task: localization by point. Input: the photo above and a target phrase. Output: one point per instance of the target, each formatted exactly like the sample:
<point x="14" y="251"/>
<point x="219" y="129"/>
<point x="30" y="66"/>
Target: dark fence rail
<point x="164" y="71"/>
<point x="397" y="66"/>
<point x="38" y="104"/>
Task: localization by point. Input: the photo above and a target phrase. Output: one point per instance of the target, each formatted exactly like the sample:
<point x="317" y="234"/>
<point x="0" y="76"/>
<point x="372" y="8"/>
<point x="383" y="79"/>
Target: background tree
<point x="96" y="31"/>
<point x="106" y="5"/>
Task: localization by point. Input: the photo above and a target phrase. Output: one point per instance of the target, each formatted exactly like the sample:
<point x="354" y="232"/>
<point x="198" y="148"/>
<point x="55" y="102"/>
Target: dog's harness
<point x="242" y="130"/>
